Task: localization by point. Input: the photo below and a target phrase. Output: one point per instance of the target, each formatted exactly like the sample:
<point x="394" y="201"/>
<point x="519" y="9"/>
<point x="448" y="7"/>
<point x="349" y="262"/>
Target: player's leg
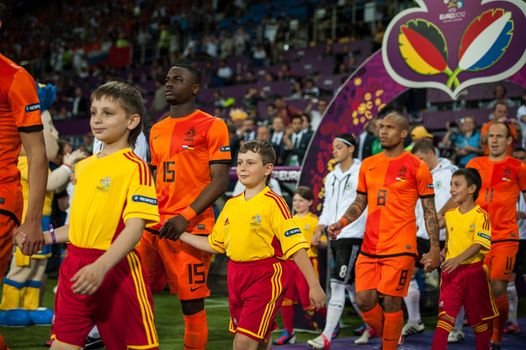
<point x="501" y="261"/>
<point x="149" y="251"/>
<point x="512" y="326"/>
<point x="187" y="269"/>
<point x="367" y="281"/>
<point x="395" y="274"/>
<point x="124" y="295"/>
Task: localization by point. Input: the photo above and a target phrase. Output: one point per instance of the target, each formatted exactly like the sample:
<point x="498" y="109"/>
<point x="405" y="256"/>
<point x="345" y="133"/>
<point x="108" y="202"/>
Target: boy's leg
<point x="450" y="302"/>
<point x="58" y="345"/>
<point x="242" y="342"/>
<point x="124" y="295"/>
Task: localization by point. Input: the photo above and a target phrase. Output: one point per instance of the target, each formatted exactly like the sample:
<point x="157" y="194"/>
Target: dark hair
<point x="305" y="192"/>
<point x="296" y="116"/>
<point x="263" y="148"/>
<point x="424" y="146"/>
<point x="347" y="137"/>
<point x="196" y="73"/>
<point x="500" y="103"/>
<point x="5" y="14"/>
<point x="130" y="100"/>
<point x="472" y="177"/>
<point x="519" y="149"/>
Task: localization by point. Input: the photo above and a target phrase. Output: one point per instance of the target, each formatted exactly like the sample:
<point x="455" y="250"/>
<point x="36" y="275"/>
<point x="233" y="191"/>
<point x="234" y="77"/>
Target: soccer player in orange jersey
<point x="503" y="178"/>
<point x="20" y="123"/>
<point x="191" y="152"/>
<point x="389" y="186"/>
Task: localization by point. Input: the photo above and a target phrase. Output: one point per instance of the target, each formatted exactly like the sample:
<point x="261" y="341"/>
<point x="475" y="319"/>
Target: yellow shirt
<point x="109" y="191"/>
<point x="307" y="225"/>
<point x="24" y="181"/>
<point x="259" y="228"/>
<point x="464" y="230"/>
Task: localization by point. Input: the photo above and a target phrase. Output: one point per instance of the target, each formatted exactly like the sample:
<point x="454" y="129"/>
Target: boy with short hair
<point x="465" y="280"/>
<point x="101" y="279"/>
<point x="257" y="232"/>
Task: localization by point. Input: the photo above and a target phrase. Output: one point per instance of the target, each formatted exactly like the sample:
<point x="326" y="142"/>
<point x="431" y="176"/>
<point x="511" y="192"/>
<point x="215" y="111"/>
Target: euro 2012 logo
<point x="458" y="4"/>
<point x="484" y="41"/>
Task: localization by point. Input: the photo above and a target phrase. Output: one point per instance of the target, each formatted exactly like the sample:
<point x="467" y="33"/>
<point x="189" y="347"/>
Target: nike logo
<point x="370" y="169"/>
<point x="193" y="289"/>
<point x="156" y="136"/>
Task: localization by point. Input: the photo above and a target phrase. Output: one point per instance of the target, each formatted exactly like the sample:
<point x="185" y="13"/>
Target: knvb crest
<point x="452" y="44"/>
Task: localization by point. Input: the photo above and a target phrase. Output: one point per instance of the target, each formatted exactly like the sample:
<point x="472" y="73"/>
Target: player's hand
<point x="88" y="279"/>
<point x="521" y="215"/>
<point x="316" y="238"/>
<point x="317" y="297"/>
<point x="335" y="229"/>
<point x="431" y="260"/>
<point x="173" y="228"/>
<point x="450" y="264"/>
<point x="34" y="236"/>
<point x="72" y="158"/>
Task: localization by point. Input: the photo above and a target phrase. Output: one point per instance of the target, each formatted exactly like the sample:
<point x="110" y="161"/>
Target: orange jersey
<point x="502" y="183"/>
<point x="392" y="186"/>
<point x="182" y="149"/>
<point x="19" y="112"/>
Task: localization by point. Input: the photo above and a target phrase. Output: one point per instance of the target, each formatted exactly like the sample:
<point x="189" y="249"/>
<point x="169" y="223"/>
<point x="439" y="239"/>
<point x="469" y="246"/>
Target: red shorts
<point x="501" y="260"/>
<point x="11" y="206"/>
<point x="389" y="276"/>
<point x="298" y="288"/>
<point x="182" y="266"/>
<point x="255" y="292"/>
<point x="467" y="286"/>
<point x="122" y="307"/>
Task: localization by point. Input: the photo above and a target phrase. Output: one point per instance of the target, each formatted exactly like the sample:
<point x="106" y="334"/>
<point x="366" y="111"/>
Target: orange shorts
<point x="11" y="205"/>
<point x="501" y="260"/>
<point x="181" y="266"/>
<point x="389" y="276"/>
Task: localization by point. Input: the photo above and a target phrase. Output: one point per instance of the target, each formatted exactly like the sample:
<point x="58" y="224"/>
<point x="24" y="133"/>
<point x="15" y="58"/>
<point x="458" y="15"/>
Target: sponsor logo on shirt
<point x="292" y="232"/>
<point x="483" y="235"/>
<point x="104" y="184"/>
<point x="430" y="186"/>
<point x="33" y="107"/>
<point x="143" y="199"/>
<point x="224" y="149"/>
<point x="200" y="226"/>
<point x="188" y="147"/>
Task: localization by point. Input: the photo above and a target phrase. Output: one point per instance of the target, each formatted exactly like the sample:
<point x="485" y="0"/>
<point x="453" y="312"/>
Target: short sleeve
<point x="522" y="177"/>
<point x="24" y="103"/>
<point x="286" y="230"/>
<point x="424" y="181"/>
<point x="217" y="238"/>
<point x="218" y="143"/>
<point x="483" y="231"/>
<point x="362" y="183"/>
<point x="141" y="199"/>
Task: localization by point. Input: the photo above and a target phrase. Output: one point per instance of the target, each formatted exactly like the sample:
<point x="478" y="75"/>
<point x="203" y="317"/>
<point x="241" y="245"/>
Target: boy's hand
<point x="88" y="279"/>
<point x="20" y="239"/>
<point x="451" y="264"/>
<point x="34" y="240"/>
<point x="317" y="297"/>
<point x="316" y="238"/>
<point x="173" y="228"/>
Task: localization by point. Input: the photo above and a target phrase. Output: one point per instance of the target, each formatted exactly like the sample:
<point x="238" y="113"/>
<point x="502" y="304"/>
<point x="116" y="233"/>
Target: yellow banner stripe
<point x="142" y="287"/>
<point x="147" y="330"/>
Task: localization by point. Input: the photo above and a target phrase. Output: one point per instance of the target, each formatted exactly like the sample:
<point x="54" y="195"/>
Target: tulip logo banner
<point x="442" y="44"/>
<point x="422" y="46"/>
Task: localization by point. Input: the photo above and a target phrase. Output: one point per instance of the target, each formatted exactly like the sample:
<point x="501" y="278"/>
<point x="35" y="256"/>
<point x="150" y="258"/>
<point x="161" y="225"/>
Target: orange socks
<point x="375" y="318"/>
<point x="393" y="323"/>
<point x="195" y="331"/>
<point x="500" y="321"/>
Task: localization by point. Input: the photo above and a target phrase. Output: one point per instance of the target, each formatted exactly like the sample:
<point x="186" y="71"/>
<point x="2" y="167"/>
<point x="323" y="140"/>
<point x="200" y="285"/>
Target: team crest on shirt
<point x="402" y="174"/>
<point x="307" y="227"/>
<point x="104" y="184"/>
<point x="256" y="220"/>
<point x="507" y="175"/>
<point x="190" y="134"/>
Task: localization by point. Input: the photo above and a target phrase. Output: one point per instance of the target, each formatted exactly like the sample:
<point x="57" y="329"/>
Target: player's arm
<point x="88" y="279"/>
<point x="353" y="212"/>
<point x="451" y="264"/>
<point x="433" y="231"/>
<point x="219" y="174"/>
<point x="316" y="295"/>
<point x="35" y="148"/>
<point x="60" y="235"/>
<point x="199" y="242"/>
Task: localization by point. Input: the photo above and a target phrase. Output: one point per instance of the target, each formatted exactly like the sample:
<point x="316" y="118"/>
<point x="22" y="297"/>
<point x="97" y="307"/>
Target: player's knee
<point x="365" y="302"/>
<point x="242" y="342"/>
<point x="392" y="304"/>
<point x="191" y="307"/>
<point x="499" y="287"/>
